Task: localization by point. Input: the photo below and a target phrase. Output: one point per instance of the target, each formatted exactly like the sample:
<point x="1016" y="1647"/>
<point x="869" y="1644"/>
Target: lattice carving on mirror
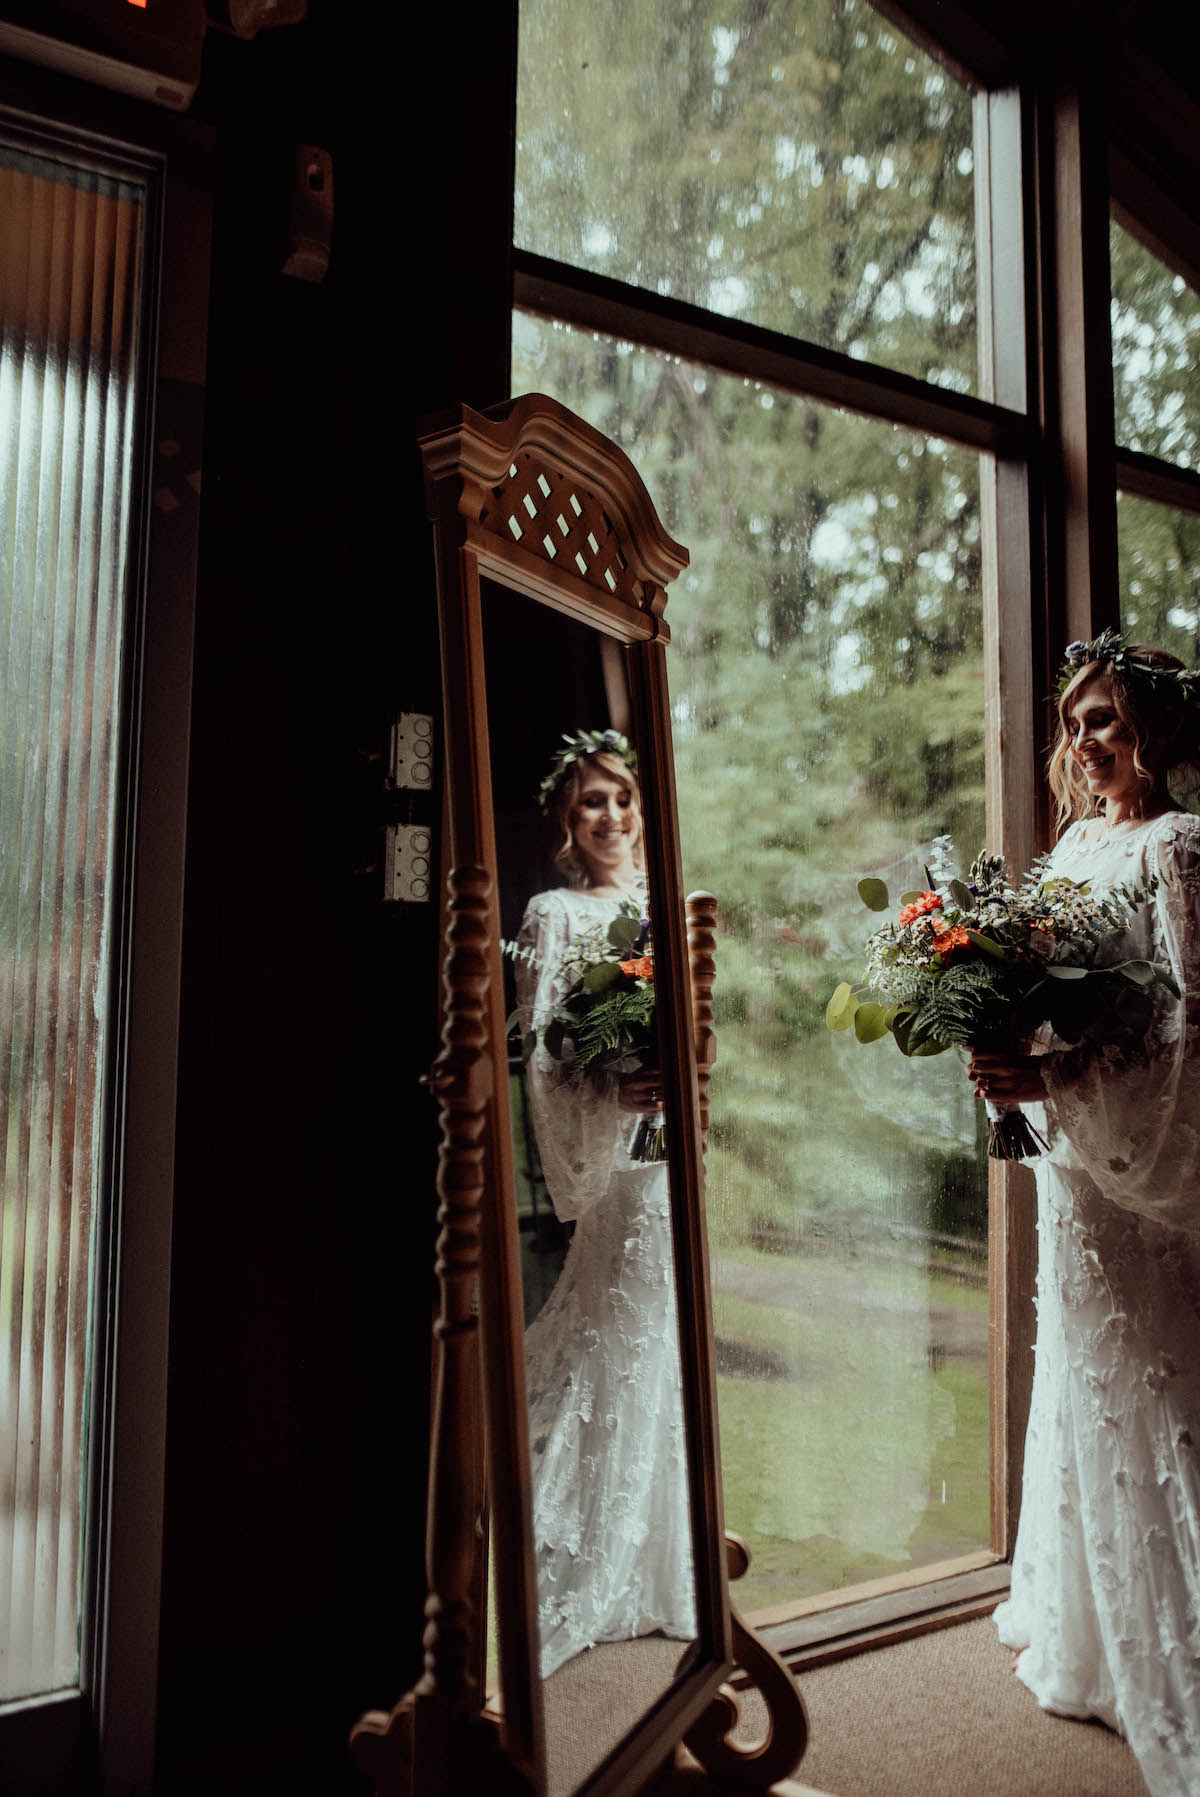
<point x="554" y="515"/>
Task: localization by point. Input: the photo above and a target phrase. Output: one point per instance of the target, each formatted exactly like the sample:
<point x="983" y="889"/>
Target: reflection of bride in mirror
<point x="610" y="1512"/>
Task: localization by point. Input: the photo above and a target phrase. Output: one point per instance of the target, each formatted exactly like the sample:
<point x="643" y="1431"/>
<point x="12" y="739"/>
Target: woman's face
<point x="605" y="823"/>
<point x="1102" y="746"/>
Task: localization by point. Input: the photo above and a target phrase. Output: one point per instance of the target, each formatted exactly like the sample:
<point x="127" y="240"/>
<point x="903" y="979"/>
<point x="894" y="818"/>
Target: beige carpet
<point x="942" y="1716"/>
<point x="595" y="1699"/>
<point x="938" y="1716"/>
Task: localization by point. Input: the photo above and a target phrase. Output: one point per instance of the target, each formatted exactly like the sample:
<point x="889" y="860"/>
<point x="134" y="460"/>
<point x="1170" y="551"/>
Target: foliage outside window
<point x="807" y="169"/>
<point x="801" y="165"/>
<point x="827" y="694"/>
<point x="1156" y="354"/>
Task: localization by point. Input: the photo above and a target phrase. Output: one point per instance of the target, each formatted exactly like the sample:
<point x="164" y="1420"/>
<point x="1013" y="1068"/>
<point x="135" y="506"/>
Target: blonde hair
<point x="1173" y="726"/>
<point x="570" y="789"/>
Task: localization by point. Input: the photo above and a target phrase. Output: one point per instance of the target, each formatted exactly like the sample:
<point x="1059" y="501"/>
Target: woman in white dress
<point x="1105" y="1599"/>
<point x="610" y="1507"/>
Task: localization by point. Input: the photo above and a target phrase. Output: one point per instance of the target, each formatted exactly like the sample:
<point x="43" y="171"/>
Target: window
<point x="1156" y="353"/>
<point x="70" y="340"/>
<point x="786" y="243"/>
<point x="98" y="595"/>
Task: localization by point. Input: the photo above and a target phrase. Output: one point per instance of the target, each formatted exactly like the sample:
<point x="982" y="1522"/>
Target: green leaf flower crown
<point x="1112" y="649"/>
<point x="578" y="747"/>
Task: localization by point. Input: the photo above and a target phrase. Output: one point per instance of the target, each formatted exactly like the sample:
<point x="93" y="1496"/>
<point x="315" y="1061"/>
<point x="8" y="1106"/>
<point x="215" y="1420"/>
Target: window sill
<point x="837" y="1624"/>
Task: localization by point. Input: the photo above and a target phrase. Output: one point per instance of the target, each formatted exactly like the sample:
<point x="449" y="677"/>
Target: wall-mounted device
<point x="310" y="214"/>
<point x="410" y="752"/>
<point x="148" y="48"/>
<point x="410" y="832"/>
<point x="407" y="861"/>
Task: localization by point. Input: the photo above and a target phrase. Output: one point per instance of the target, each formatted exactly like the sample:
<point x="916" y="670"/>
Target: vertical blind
<point x="70" y="290"/>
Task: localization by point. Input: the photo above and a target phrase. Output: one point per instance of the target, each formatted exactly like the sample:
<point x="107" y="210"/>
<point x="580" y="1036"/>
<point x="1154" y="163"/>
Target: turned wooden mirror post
<point x="550" y="556"/>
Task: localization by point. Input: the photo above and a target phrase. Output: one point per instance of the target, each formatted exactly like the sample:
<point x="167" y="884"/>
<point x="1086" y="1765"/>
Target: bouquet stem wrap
<point x="1011" y="1136"/>
<point x="650" y="1140"/>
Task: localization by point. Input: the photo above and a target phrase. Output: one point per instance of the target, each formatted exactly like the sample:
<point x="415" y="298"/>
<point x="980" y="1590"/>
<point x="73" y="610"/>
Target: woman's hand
<point x="641" y="1091"/>
<point x="1007" y="1078"/>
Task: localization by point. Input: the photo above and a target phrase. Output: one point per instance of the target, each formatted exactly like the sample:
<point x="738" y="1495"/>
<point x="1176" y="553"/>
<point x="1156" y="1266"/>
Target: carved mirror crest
<point x="574" y="1331"/>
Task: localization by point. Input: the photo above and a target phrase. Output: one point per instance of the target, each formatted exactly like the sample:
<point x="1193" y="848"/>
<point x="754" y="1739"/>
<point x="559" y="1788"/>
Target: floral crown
<point x="577" y="748"/>
<point x="1111" y="647"/>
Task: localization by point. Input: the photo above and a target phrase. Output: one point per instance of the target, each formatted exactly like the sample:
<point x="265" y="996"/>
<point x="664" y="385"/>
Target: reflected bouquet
<point x="605" y="1023"/>
<point x="984" y="964"/>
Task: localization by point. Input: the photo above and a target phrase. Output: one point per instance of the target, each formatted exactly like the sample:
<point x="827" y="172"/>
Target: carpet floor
<point x="943" y="1716"/>
<point x="937" y="1716"/>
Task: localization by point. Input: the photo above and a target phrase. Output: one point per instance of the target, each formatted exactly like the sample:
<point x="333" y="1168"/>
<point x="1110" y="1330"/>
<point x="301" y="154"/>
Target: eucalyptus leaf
<point x="511" y="1021"/>
<point x="1140" y="972"/>
<point x="554" y="1036"/>
<point x="913" y="1041"/>
<point x="600" y="977"/>
<point x="962" y="895"/>
<point x="986" y="946"/>
<point x="910" y="898"/>
<point x="528" y="1044"/>
<point x="839" y="1012"/>
<point x="1067" y="973"/>
<point x="624" y="931"/>
<point x="874" y="894"/>
<point x="870" y="1022"/>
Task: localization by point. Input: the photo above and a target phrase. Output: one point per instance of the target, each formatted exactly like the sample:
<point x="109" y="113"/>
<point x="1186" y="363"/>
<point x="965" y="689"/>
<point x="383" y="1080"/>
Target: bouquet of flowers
<point x="984" y="964"/>
<point x="605" y="1024"/>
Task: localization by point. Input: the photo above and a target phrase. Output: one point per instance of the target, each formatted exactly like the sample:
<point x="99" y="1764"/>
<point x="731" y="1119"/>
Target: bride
<point x="1105" y="1599"/>
<point x="610" y="1510"/>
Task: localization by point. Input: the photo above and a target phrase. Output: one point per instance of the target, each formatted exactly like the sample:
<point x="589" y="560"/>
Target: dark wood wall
<point x="293" y="1577"/>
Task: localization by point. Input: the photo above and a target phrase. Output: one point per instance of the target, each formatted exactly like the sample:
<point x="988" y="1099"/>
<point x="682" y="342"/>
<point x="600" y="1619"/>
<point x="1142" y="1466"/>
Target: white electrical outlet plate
<point x="410" y="754"/>
<point x="408" y="863"/>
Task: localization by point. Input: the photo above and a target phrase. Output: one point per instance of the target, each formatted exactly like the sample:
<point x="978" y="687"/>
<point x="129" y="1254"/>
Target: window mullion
<point x="1013" y="662"/>
<point x="597" y="303"/>
<point x="1077" y="349"/>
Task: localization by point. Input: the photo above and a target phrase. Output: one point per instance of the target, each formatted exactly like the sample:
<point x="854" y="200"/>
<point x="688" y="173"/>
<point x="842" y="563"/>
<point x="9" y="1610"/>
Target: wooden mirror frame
<point x="532" y="498"/>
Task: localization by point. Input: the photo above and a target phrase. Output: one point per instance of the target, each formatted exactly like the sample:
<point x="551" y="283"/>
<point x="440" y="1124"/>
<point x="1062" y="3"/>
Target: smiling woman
<point x="1105" y="1591"/>
<point x="1127" y="732"/>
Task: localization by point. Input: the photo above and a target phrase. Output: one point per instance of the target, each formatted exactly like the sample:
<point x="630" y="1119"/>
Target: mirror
<point x="574" y="1329"/>
<point x="610" y="1512"/>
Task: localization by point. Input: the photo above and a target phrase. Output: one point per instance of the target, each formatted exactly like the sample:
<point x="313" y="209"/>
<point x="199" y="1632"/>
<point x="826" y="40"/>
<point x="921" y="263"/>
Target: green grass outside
<point x="835" y="1473"/>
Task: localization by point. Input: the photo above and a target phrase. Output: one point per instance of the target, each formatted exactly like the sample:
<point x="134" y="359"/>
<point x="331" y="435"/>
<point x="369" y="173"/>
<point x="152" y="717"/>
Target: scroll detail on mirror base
<point x="728" y="1765"/>
<point x="435" y="1733"/>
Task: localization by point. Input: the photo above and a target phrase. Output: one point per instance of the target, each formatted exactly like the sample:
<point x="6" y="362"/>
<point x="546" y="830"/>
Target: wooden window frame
<point x="1047" y="148"/>
<point x="100" y="1736"/>
<point x="1000" y="422"/>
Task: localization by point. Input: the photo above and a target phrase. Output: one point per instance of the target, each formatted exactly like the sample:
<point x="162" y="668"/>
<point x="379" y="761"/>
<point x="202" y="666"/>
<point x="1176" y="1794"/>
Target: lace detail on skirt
<point x="1106" y="1576"/>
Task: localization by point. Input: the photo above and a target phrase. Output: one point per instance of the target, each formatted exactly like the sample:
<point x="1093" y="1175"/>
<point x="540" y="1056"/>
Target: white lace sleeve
<point x="583" y="1135"/>
<point x="1132" y="1122"/>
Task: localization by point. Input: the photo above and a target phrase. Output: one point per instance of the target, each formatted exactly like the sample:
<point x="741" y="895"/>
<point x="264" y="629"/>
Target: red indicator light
<point x="141" y="3"/>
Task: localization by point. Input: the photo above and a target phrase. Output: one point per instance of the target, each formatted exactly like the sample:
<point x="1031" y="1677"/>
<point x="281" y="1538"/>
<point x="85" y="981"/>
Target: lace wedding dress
<point x="1105" y="1594"/>
<point x="610" y="1506"/>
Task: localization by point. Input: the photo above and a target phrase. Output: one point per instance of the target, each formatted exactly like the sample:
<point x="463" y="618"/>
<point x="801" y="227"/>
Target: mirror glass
<point x="612" y="1535"/>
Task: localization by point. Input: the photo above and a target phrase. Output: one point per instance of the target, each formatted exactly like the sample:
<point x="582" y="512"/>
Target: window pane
<point x="1156" y="354"/>
<point x="70" y="258"/>
<point x="827" y="693"/>
<point x="809" y="169"/>
<point x="1159" y="552"/>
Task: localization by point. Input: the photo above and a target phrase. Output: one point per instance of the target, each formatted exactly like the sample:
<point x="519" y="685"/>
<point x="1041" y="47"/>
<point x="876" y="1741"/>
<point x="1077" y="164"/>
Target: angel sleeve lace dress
<point x="610" y="1508"/>
<point x="1105" y="1594"/>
